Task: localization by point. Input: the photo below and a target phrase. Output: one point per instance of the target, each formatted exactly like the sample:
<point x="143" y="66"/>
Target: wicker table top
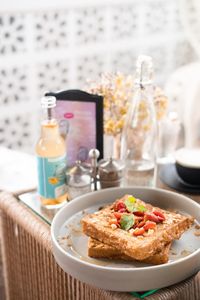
<point x="27" y="246"/>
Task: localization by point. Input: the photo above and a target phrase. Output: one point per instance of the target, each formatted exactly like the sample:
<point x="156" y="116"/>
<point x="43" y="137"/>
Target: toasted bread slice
<point x="97" y="249"/>
<point x="97" y="225"/>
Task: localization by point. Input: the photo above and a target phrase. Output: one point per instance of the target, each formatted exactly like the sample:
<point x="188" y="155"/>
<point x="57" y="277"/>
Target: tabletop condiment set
<point x="83" y="178"/>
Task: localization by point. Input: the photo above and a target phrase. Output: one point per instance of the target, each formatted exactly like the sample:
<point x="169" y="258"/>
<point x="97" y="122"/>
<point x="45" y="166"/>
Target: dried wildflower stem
<point x="117" y="90"/>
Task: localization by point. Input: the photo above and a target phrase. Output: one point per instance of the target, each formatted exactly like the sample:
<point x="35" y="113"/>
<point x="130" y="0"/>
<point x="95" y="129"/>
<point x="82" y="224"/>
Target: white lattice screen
<point x="59" y="45"/>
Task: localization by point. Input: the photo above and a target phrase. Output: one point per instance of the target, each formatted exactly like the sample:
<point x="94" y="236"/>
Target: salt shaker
<point x="78" y="181"/>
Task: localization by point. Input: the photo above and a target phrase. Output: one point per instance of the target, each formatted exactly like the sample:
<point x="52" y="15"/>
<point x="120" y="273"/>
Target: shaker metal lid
<point x="111" y="165"/>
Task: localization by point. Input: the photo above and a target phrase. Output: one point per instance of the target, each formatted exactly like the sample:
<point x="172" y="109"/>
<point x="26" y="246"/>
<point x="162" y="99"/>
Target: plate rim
<point x="122" y="269"/>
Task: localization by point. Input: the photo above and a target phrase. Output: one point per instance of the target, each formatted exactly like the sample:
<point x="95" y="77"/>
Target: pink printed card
<point x="80" y="116"/>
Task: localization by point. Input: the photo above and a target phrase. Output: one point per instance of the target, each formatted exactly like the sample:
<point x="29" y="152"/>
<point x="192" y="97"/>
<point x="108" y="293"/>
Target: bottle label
<point x="51" y="176"/>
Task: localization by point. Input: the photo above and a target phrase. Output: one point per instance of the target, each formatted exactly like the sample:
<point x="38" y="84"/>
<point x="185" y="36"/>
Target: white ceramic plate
<point x="70" y="244"/>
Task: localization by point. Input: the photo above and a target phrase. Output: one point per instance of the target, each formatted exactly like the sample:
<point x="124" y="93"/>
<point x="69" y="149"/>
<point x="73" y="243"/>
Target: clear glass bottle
<point x="139" y="136"/>
<point x="51" y="158"/>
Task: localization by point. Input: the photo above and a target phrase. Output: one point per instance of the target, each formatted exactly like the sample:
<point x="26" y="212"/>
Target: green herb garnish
<point x="127" y="221"/>
<point x="130" y="203"/>
<point x="141" y="208"/>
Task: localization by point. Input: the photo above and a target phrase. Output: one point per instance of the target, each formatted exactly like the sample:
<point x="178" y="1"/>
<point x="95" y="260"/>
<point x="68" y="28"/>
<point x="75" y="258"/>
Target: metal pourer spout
<point x="94" y="155"/>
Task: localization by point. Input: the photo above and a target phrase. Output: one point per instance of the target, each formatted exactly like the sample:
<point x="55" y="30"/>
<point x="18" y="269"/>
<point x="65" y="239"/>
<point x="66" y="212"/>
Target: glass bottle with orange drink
<point x="51" y="158"/>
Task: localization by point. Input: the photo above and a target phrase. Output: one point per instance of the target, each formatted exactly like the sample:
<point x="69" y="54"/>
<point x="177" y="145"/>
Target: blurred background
<point x="56" y="45"/>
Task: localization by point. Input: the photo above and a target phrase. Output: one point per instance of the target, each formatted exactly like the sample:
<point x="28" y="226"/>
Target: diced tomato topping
<point x="141" y="224"/>
<point x="152" y="217"/>
<point x="159" y="214"/>
<point x="122" y="210"/>
<point x="138" y="219"/>
<point x="149" y="225"/>
<point x="117" y="215"/>
<point x="161" y="219"/>
<point x="138" y="231"/>
<point x="138" y="213"/>
<point x="119" y="206"/>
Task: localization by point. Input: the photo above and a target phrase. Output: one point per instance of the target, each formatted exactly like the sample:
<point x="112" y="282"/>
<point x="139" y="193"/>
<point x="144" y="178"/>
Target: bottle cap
<point x="144" y="70"/>
<point x="48" y="102"/>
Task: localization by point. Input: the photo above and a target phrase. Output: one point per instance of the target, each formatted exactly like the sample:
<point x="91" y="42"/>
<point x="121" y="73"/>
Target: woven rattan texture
<point x="31" y="272"/>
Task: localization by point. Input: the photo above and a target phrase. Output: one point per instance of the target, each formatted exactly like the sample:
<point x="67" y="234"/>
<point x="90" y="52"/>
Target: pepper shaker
<point x="111" y="173"/>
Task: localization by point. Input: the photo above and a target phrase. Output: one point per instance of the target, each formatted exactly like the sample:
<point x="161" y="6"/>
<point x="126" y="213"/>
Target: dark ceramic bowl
<point x="188" y="165"/>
